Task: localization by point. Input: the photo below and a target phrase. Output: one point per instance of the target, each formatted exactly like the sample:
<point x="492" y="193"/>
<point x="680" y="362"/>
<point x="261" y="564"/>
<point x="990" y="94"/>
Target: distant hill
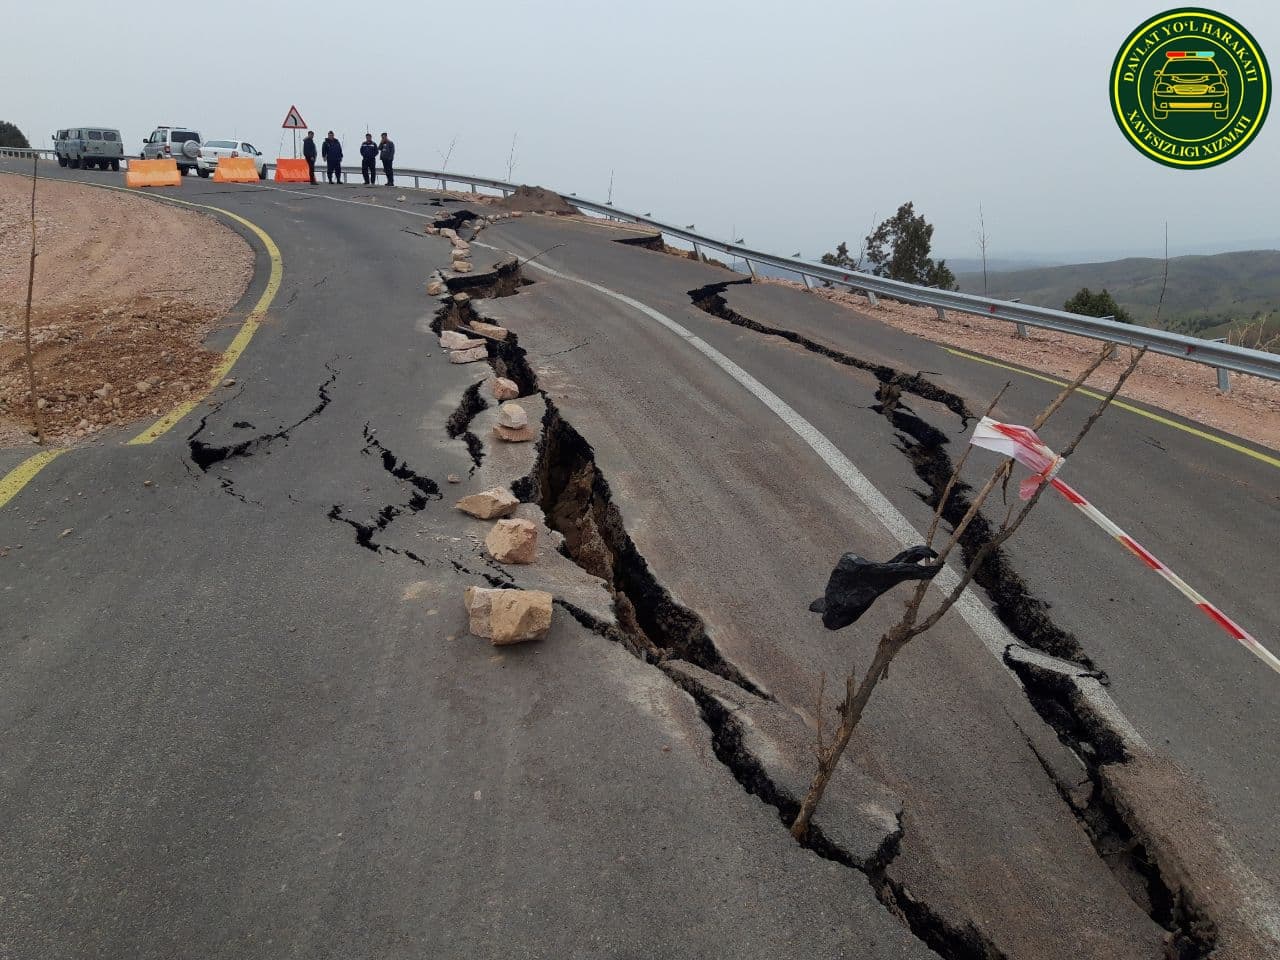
<point x="1227" y="294"/>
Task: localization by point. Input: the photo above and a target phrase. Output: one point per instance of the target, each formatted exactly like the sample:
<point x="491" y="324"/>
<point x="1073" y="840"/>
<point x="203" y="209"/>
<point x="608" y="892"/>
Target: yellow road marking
<point x="25" y="472"/>
<point x="21" y="475"/>
<point x="1195" y="432"/>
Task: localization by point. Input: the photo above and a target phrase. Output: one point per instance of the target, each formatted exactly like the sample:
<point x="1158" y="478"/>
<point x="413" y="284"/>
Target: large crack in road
<point x="577" y="502"/>
<point x="1116" y="839"/>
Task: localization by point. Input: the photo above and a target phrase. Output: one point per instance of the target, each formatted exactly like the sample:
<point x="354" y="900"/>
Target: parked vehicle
<point x="211" y="151"/>
<point x="87" y="147"/>
<point x="181" y="144"/>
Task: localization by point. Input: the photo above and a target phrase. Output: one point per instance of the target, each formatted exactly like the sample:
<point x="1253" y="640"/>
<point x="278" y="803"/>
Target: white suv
<point x="173" y="143"/>
<point x="211" y="151"/>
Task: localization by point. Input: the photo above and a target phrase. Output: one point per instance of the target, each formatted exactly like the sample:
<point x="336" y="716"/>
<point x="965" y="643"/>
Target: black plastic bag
<point x="856" y="582"/>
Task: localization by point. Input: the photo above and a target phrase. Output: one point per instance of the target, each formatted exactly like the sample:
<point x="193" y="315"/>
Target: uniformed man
<point x="368" y="158"/>
<point x="387" y="150"/>
<point x="331" y="150"/>
<point x="309" y="153"/>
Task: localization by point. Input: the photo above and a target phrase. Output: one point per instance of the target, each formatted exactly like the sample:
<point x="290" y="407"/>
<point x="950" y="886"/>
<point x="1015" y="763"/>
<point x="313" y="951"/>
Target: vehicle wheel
<point x="62" y="161"/>
<point x="204" y="174"/>
<point x="262" y="172"/>
<point x="74" y="163"/>
<point x="115" y="165"/>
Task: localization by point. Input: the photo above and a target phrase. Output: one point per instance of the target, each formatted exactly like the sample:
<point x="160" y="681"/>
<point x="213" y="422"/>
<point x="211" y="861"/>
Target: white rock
<point x="508" y="616"/>
<point x="489" y="504"/>
<point x="513" y="434"/>
<point x="504" y="389"/>
<point x="513" y="541"/>
<point x="513" y="415"/>
<point x="457" y="340"/>
<point x="468" y="356"/>
<point x="489" y="330"/>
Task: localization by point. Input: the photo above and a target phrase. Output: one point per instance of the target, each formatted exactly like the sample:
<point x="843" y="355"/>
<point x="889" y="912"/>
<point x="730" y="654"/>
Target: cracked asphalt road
<point x="229" y="730"/>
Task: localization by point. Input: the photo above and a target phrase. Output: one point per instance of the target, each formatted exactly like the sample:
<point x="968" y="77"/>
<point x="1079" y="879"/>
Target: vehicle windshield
<point x="110" y="136"/>
<point x="182" y="136"/>
<point x="1190" y="68"/>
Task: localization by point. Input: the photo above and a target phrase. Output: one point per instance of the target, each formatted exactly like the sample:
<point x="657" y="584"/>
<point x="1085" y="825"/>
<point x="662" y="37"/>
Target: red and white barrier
<point x="1022" y="444"/>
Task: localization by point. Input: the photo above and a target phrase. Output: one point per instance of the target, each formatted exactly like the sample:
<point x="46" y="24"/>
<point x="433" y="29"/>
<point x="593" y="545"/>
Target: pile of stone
<point x="463" y="349"/>
<point x="513" y="424"/>
<point x="506" y="616"/>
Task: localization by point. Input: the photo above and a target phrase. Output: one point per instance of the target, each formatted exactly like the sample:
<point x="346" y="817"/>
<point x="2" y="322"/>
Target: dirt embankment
<point x="1251" y="410"/>
<point x="126" y="291"/>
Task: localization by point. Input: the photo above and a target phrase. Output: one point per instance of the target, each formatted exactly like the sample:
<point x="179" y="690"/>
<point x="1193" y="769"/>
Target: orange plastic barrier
<point x="292" y="170"/>
<point x="235" y="170"/>
<point x="152" y="173"/>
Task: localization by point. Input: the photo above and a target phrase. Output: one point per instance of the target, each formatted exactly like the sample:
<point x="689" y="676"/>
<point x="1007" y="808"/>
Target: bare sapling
<point x="37" y="418"/>
<point x="913" y="622"/>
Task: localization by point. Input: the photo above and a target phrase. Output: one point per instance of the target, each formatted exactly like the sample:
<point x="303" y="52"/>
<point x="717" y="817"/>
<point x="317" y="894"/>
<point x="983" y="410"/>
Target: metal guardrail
<point x="26" y="152"/>
<point x="1222" y="356"/>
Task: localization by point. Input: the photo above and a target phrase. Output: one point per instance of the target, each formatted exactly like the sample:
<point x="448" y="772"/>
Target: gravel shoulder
<point x="126" y="293"/>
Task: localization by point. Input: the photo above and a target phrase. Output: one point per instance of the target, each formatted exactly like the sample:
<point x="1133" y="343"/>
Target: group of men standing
<point x="331" y="152"/>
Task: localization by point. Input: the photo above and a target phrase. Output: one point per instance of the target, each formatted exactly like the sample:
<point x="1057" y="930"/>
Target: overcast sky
<point x="794" y="123"/>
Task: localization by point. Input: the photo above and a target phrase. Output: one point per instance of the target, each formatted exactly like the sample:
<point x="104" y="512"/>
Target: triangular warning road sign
<point x="293" y="120"/>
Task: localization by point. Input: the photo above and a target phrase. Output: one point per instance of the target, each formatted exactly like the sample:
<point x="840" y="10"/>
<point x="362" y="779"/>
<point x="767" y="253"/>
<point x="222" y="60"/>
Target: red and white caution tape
<point x="1022" y="444"/>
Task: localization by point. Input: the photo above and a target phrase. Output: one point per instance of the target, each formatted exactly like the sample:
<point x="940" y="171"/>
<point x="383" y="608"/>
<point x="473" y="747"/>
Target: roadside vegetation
<point x="11" y="137"/>
<point x="898" y="249"/>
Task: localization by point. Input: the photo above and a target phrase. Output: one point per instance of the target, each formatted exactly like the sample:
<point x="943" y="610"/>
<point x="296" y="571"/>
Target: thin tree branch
<point x="36" y="417"/>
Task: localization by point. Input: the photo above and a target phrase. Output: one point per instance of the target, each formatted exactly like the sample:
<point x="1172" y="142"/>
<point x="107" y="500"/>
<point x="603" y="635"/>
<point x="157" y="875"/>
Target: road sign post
<point x="293" y="121"/>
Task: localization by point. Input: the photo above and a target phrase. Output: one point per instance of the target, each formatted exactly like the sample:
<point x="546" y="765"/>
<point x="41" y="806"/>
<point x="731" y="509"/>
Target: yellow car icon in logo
<point x="1190" y="81"/>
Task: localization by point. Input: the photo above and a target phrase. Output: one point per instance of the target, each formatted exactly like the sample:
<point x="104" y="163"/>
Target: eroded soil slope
<point x="126" y="292"/>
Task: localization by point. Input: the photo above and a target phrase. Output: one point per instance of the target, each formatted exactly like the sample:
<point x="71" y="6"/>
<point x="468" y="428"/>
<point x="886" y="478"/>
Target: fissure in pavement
<point x="576" y="499"/>
<point x="205" y="455"/>
<point x="1115" y="839"/>
<point x="459" y="423"/>
<point x="424" y="491"/>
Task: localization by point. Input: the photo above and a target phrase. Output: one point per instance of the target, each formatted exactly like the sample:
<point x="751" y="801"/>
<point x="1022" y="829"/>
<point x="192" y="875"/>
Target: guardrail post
<point x="1224" y="376"/>
<point x="415" y="183"/>
<point x="871" y="297"/>
<point x="443" y="186"/>
<point x="942" y="315"/>
<point x="808" y="284"/>
<point x="750" y="266"/>
<point x="698" y="252"/>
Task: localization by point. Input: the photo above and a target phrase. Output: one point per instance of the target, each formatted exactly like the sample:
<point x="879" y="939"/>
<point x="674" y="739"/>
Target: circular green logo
<point x="1190" y="88"/>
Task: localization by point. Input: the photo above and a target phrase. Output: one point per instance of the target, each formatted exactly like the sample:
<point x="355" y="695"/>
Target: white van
<point x="87" y="147"/>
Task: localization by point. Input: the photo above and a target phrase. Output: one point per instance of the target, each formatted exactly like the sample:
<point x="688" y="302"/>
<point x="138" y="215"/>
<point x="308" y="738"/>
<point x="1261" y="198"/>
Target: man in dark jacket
<point x="368" y="156"/>
<point x="331" y="150"/>
<point x="309" y="153"/>
<point x="387" y="149"/>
